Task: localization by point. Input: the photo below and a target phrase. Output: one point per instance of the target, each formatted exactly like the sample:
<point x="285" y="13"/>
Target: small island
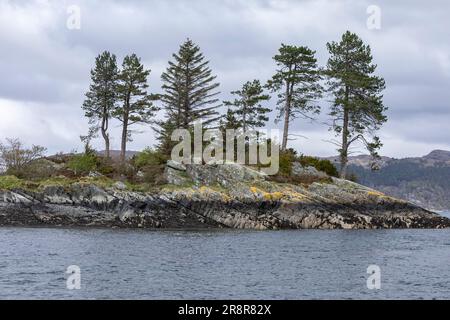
<point x="151" y="189"/>
<point x="201" y="196"/>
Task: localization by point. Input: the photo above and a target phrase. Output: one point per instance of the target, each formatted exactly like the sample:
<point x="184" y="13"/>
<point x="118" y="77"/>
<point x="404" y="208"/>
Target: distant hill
<point x="422" y="180"/>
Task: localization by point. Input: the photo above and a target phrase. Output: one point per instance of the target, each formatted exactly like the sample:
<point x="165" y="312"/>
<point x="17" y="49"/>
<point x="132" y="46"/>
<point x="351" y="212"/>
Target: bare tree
<point x="14" y="156"/>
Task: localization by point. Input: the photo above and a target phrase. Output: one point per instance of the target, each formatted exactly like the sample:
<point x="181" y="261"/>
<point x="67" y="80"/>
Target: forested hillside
<point x="425" y="180"/>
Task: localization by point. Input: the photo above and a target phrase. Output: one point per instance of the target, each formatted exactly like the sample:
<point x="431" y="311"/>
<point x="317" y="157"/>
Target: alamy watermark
<point x="73" y="21"/>
<point x="255" y="147"/>
<point x="73" y="281"/>
<point x="374" y="20"/>
<point x="374" y="279"/>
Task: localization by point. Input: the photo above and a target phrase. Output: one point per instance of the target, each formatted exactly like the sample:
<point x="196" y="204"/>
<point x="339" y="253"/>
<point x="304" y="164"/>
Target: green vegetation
<point x="190" y="93"/>
<point x="288" y="157"/>
<point x="150" y="164"/>
<point x="358" y="110"/>
<point x="10" y="182"/>
<point x="247" y="107"/>
<point x="143" y="172"/>
<point x="149" y="157"/>
<point x="323" y="165"/>
<point x="135" y="104"/>
<point x="120" y="94"/>
<point x="82" y="163"/>
<point x="15" y="158"/>
<point x="297" y="84"/>
<point x="101" y="97"/>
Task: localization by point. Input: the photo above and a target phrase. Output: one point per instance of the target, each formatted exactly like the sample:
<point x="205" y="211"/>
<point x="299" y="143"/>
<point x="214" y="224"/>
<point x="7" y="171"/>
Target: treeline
<point x="190" y="92"/>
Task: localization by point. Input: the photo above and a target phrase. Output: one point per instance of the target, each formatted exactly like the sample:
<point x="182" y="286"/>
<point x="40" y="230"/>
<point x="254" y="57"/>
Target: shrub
<point x="150" y="163"/>
<point x="106" y="166"/>
<point x="14" y="157"/>
<point x="149" y="157"/>
<point x="154" y="174"/>
<point x="323" y="165"/>
<point x="38" y="170"/>
<point x="287" y="158"/>
<point x="59" y="158"/>
<point x="83" y="163"/>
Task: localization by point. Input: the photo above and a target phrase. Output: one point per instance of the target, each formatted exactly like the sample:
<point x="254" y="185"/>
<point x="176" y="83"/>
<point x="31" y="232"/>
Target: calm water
<point x="224" y="264"/>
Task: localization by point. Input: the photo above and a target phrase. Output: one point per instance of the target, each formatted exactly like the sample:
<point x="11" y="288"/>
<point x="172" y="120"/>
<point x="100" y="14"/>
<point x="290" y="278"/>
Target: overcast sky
<point x="45" y="66"/>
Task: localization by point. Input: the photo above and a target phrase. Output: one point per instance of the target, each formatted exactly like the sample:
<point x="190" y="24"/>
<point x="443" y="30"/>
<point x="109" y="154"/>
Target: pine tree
<point x="189" y="94"/>
<point x="297" y="83"/>
<point x="101" y="97"/>
<point x="164" y="131"/>
<point x="247" y="106"/>
<point x="135" y="104"/>
<point x="358" y="108"/>
<point x="189" y="88"/>
<point x="229" y="121"/>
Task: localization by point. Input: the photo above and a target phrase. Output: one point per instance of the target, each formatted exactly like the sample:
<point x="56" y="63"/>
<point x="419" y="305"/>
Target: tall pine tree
<point x="102" y="96"/>
<point x="189" y="91"/>
<point x="297" y="84"/>
<point x="247" y="106"/>
<point x="135" y="104"/>
<point x="358" y="109"/>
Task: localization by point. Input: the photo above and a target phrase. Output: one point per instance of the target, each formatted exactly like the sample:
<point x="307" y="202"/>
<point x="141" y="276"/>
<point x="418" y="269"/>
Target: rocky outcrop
<point x="226" y="196"/>
<point x="174" y="173"/>
<point x="299" y="170"/>
<point x="225" y="175"/>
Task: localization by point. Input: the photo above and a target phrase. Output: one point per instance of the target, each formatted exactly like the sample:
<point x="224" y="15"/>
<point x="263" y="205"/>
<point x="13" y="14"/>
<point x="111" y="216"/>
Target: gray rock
<point x="127" y="215"/>
<point x="299" y="170"/>
<point x="120" y="185"/>
<point x="225" y="175"/>
<point x="175" y="177"/>
<point x="140" y="175"/>
<point x="94" y="174"/>
<point x="176" y="165"/>
<point x="353" y="208"/>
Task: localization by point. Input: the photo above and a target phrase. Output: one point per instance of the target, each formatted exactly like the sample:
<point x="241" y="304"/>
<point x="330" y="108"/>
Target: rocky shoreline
<point x="244" y="202"/>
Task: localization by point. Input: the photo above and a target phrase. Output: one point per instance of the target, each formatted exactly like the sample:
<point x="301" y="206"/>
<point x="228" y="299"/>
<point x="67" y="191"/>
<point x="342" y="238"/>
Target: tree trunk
<point x="244" y="121"/>
<point x="105" y="135"/>
<point x="125" y="119"/>
<point x="287" y="115"/>
<point x="345" y="133"/>
<point x="123" y="149"/>
<point x="285" y="129"/>
<point x="106" y="138"/>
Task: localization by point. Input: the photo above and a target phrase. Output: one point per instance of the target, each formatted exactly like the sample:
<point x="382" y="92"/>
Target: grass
<point x="11" y="182"/>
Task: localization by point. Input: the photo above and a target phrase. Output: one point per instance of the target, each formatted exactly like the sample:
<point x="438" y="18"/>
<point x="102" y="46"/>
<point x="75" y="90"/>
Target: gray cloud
<point x="45" y="66"/>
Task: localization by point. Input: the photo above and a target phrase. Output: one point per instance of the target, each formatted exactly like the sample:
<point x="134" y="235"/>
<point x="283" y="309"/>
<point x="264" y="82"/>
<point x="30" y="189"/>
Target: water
<point x="224" y="264"/>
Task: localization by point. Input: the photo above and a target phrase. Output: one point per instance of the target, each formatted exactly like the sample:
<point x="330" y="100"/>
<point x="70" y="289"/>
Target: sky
<point x="46" y="54"/>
